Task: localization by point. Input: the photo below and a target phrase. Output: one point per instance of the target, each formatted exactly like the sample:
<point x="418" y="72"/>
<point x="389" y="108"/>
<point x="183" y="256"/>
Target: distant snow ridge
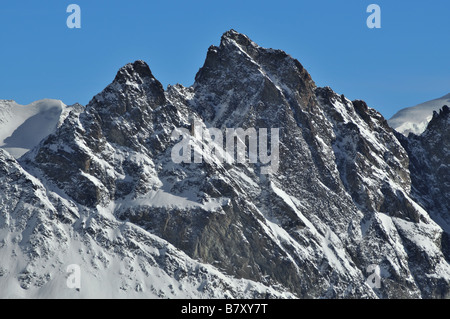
<point x="416" y="118"/>
<point x="24" y="126"/>
<point x="102" y="192"/>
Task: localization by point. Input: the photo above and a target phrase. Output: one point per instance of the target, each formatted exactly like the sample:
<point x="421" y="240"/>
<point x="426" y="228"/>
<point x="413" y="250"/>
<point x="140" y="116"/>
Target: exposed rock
<point x="346" y="194"/>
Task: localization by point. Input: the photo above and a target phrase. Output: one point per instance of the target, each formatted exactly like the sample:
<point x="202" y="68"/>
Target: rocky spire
<point x="253" y="74"/>
<point x="134" y="71"/>
<point x="133" y="87"/>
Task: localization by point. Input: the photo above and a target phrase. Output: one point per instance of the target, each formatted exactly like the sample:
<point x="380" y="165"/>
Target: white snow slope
<point x="416" y="118"/>
<point x="24" y="126"/>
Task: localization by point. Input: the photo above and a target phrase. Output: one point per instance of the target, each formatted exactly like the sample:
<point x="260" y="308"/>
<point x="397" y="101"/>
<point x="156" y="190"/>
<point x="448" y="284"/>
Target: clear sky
<point x="404" y="63"/>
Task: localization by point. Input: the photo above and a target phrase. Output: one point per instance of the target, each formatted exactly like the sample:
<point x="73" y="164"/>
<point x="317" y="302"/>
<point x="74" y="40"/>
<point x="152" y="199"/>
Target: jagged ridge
<point x="344" y="196"/>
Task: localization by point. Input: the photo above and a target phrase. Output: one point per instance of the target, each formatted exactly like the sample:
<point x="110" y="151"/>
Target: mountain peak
<point x="233" y="37"/>
<point x="252" y="73"/>
<point x="130" y="71"/>
<point x="442" y="114"/>
<point x="133" y="84"/>
<point x="231" y="34"/>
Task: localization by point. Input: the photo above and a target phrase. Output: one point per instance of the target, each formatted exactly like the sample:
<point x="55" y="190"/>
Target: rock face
<point x="348" y="192"/>
<point x="429" y="156"/>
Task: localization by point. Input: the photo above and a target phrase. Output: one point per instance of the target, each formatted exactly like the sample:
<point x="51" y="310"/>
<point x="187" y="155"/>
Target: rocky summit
<point x="354" y="210"/>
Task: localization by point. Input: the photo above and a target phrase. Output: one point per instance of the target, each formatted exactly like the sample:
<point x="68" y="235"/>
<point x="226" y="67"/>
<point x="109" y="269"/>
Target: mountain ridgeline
<point x="350" y="194"/>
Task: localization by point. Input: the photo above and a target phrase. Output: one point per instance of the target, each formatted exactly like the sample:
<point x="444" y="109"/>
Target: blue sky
<point x="404" y="63"/>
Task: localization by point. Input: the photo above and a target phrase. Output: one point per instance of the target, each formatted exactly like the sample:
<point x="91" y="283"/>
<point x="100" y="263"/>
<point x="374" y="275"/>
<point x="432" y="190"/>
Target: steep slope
<point x="42" y="234"/>
<point x="24" y="126"/>
<point x="416" y="118"/>
<point x="430" y="166"/>
<point x="339" y="200"/>
<point x="429" y="156"/>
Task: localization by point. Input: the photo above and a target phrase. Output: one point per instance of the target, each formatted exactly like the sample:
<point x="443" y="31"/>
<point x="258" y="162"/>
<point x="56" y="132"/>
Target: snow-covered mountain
<point x="24" y="126"/>
<point x="103" y="192"/>
<point x="416" y="118"/>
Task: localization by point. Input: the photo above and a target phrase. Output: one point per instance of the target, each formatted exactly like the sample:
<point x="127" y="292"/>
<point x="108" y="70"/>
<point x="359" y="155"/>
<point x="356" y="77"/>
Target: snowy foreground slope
<point x="416" y="118"/>
<point x="102" y="192"/>
<point x="24" y="126"/>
